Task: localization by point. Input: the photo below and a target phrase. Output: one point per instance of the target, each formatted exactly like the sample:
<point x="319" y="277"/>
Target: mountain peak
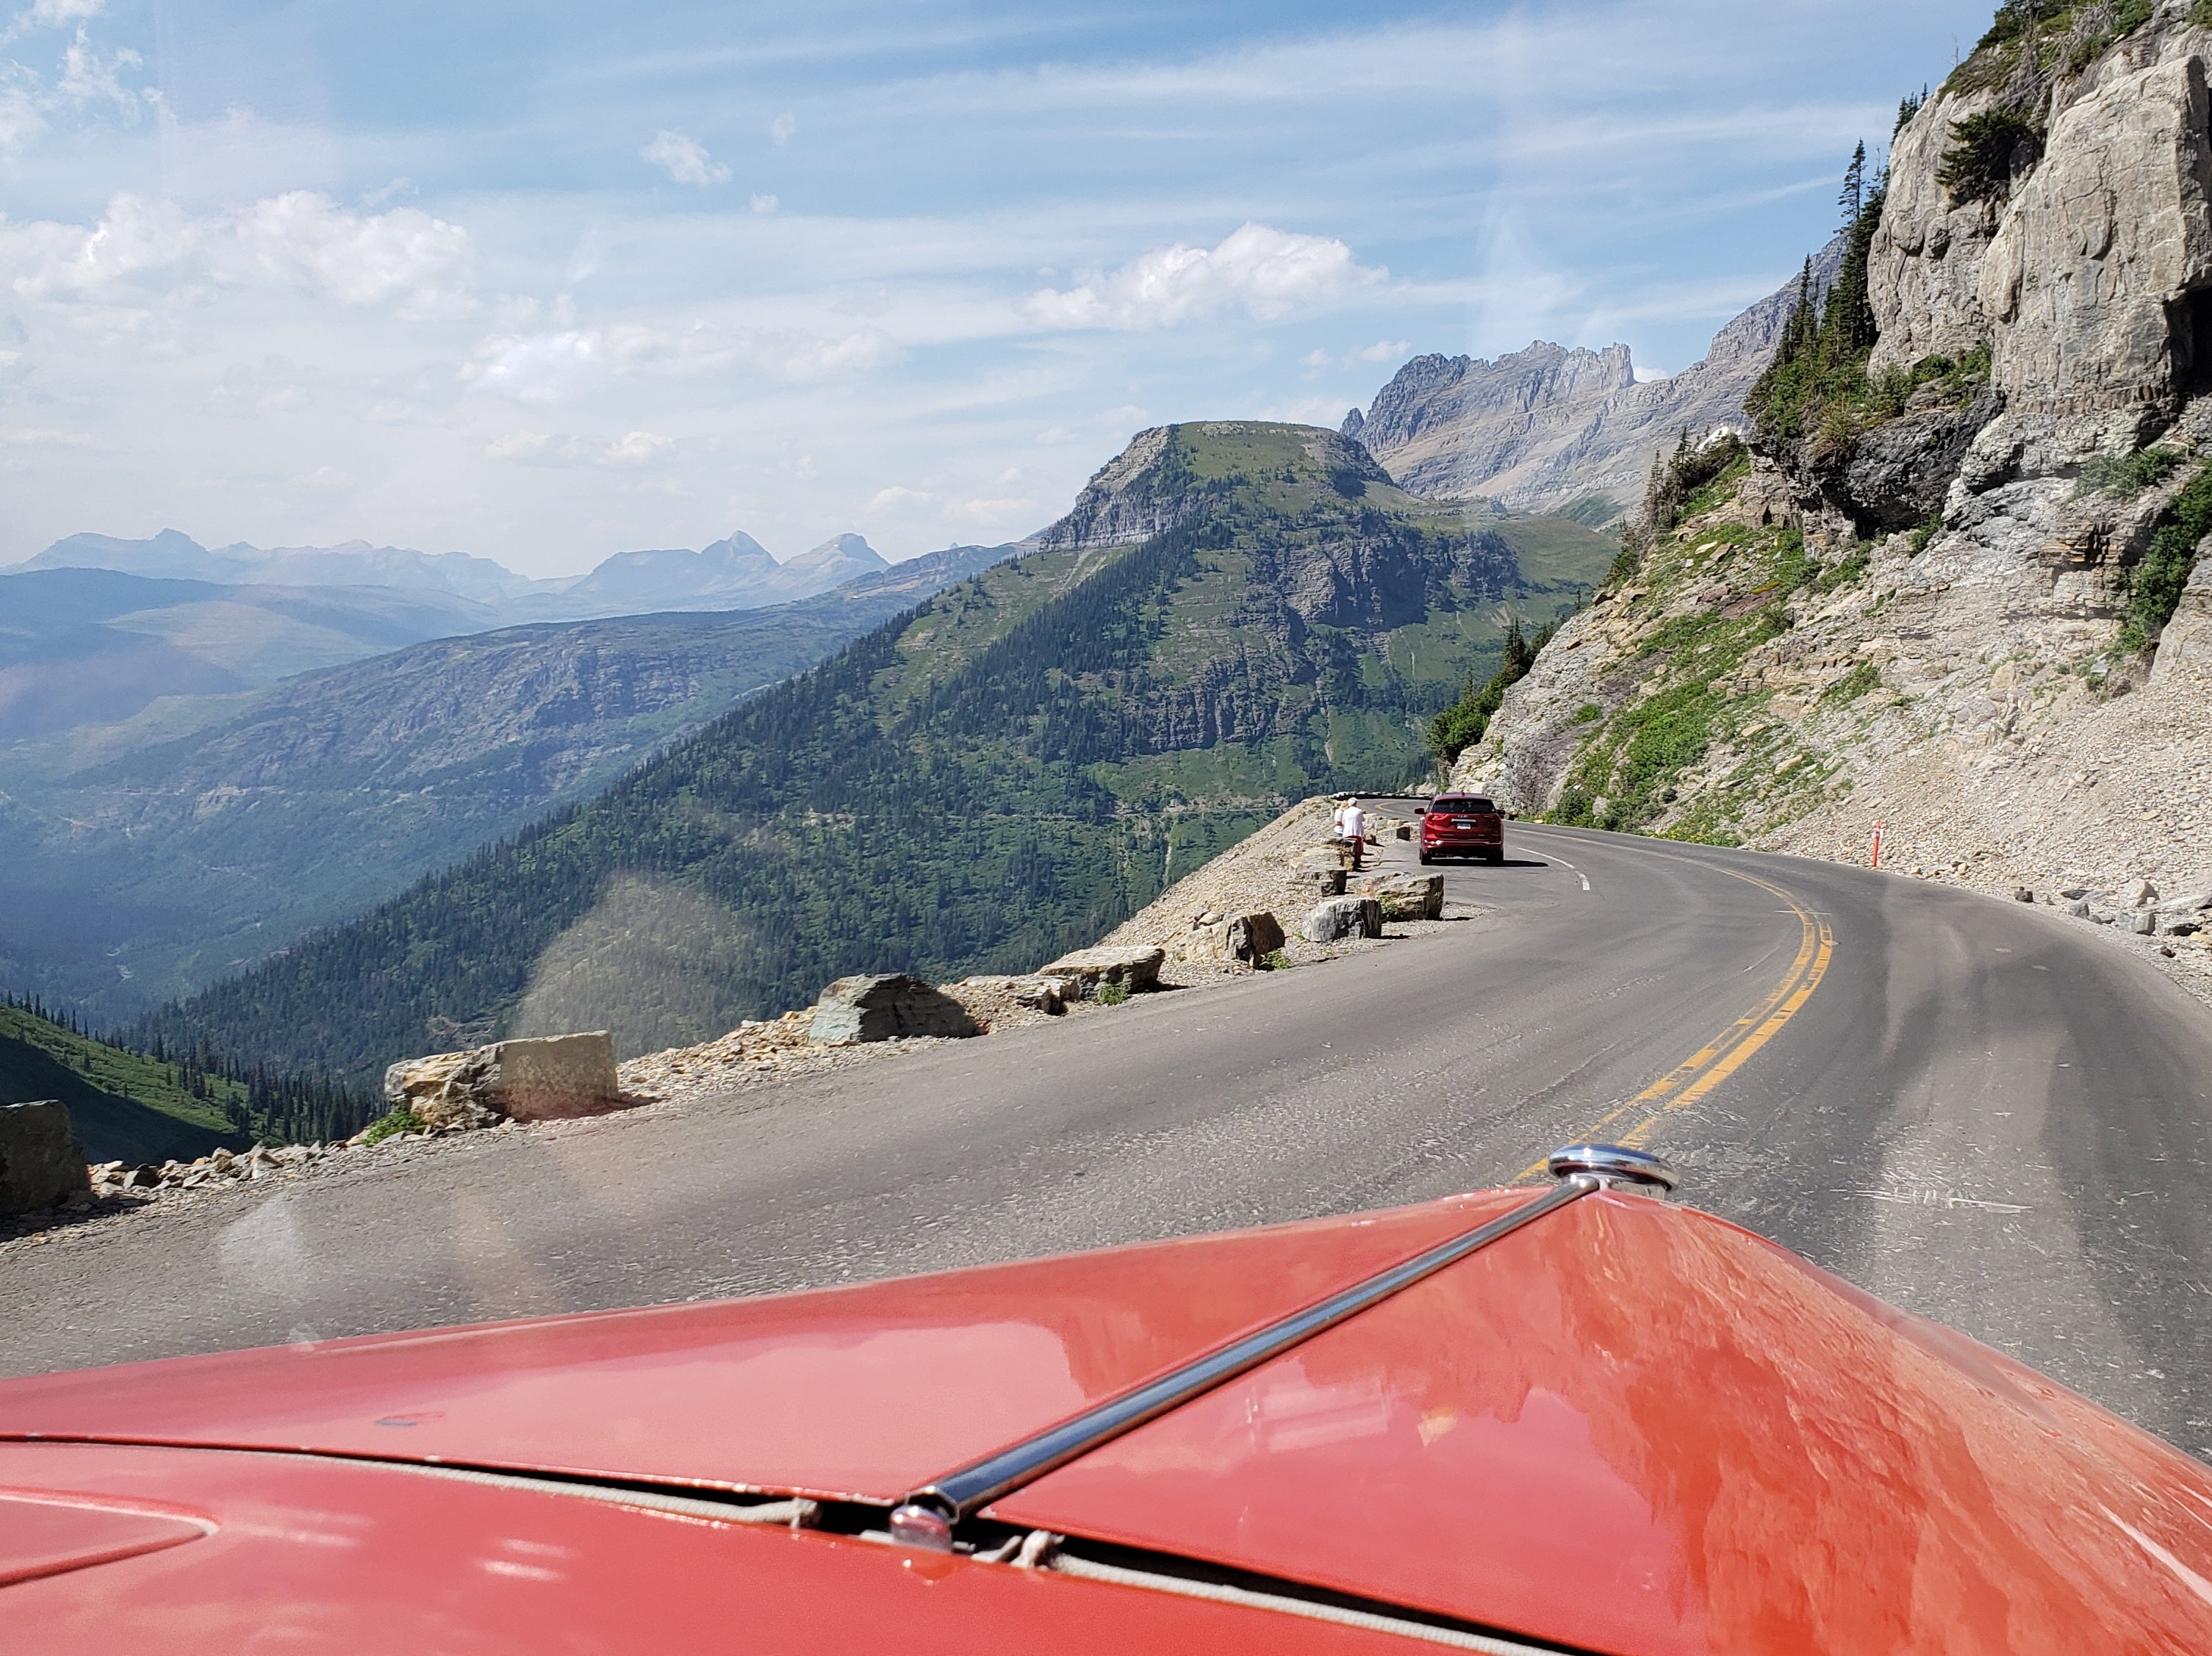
<point x="838" y="559"/>
<point x="1549" y="426"/>
<point x="1168" y="472"/>
<point x="739" y="550"/>
<point x="171" y="553"/>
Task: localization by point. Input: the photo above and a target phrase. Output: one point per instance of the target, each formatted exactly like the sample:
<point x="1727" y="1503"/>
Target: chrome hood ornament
<point x="1613" y="1164"/>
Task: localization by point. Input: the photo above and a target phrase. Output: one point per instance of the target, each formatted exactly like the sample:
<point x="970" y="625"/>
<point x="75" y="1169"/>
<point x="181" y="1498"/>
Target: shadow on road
<point x="1477" y="862"/>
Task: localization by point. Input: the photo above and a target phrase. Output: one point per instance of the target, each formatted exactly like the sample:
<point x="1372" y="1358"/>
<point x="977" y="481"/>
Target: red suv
<point x="1463" y="825"/>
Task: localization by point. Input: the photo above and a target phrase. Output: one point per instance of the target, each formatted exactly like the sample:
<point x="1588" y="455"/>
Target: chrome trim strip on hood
<point x="927" y="1517"/>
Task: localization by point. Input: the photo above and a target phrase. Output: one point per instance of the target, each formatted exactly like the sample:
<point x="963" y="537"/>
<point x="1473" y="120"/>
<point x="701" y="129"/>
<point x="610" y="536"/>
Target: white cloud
<point x="1270" y="272"/>
<point x="87" y="77"/>
<point x="543" y="368"/>
<point x="535" y="368"/>
<point x="911" y="505"/>
<point x="764" y="204"/>
<point x="1644" y="376"/>
<point x="59" y="14"/>
<point x="1305" y="411"/>
<point x="46" y="260"/>
<point x="636" y="448"/>
<point x="992" y="513"/>
<point x="1382" y="350"/>
<point x="783" y="127"/>
<point x="520" y="445"/>
<point x="301" y="238"/>
<point x="685" y="159"/>
<point x="21" y="117"/>
<point x="308" y="241"/>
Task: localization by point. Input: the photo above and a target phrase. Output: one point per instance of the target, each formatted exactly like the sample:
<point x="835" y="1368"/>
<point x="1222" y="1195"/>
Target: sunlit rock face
<point x="1963" y="653"/>
<point x="2094" y="283"/>
<point x="1923" y="271"/>
<point x="1548" y="428"/>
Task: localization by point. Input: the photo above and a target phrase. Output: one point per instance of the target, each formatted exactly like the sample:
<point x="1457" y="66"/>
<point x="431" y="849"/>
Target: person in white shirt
<point x="1352" y="825"/>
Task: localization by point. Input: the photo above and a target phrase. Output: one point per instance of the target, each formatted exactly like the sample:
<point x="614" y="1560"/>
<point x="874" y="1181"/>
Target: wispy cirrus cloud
<point x="546" y="367"/>
<point x="629" y="451"/>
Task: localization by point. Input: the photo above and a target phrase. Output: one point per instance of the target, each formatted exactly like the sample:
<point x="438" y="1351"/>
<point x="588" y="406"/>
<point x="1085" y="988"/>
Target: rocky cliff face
<point x="2012" y="687"/>
<point x="1549" y="428"/>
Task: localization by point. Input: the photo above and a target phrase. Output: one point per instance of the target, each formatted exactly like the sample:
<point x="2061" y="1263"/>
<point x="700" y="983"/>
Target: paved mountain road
<point x="1976" y="1109"/>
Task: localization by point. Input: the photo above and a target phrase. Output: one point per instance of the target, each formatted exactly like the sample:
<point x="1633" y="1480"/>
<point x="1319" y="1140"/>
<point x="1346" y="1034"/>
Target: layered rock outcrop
<point x="541" y="1078"/>
<point x="1548" y="428"/>
<point x="885" y="1006"/>
<point x="1995" y="687"/>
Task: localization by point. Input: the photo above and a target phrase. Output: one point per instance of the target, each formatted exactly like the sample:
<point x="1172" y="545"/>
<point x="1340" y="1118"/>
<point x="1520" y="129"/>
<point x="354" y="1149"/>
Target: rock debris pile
<point x="116" y="1186"/>
<point x="509" y="1086"/>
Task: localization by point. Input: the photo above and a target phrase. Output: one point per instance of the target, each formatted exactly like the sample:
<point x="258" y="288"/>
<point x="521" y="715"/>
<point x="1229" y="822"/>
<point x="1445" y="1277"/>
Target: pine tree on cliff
<point x="1847" y="324"/>
<point x="1780" y="393"/>
<point x="1804" y="324"/>
<point x="1821" y="358"/>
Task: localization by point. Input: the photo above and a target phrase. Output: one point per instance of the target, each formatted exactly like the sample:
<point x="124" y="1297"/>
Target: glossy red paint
<point x="323" y="1557"/>
<point x="43" y="1533"/>
<point x="1640" y="1429"/>
<point x="865" y="1391"/>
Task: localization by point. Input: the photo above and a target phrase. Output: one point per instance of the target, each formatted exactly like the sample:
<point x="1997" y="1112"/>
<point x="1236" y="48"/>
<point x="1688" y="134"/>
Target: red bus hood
<point x="1627" y="1427"/>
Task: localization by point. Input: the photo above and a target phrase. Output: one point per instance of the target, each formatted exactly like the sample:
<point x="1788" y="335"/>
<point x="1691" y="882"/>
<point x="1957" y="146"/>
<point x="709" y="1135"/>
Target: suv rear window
<point x="1463" y="807"/>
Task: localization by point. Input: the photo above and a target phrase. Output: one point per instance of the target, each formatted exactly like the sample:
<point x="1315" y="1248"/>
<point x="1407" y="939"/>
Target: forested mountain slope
<point x="1234" y="615"/>
<point x="123" y="1106"/>
<point x="150" y="858"/>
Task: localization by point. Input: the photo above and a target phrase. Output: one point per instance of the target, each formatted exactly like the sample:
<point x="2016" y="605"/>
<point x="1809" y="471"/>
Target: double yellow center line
<point x="1720" y="1057"/>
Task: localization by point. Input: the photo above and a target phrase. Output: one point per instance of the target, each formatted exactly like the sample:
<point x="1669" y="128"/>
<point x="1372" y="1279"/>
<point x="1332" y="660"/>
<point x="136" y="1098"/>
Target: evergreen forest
<point x="999" y="776"/>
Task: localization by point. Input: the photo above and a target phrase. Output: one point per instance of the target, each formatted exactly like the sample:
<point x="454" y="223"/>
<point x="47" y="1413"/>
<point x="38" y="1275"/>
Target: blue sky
<point x="544" y="283"/>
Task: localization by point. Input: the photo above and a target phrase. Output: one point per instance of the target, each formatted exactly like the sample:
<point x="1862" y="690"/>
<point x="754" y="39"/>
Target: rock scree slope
<point x="1957" y="588"/>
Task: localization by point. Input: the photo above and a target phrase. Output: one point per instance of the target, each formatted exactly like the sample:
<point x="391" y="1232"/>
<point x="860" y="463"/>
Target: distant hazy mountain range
<point x="736" y="573"/>
<point x="148" y="856"/>
<point x="93" y="629"/>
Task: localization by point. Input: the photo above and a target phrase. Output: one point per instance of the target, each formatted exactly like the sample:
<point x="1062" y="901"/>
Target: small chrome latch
<point x="1611" y="1164"/>
<point x="922" y="1524"/>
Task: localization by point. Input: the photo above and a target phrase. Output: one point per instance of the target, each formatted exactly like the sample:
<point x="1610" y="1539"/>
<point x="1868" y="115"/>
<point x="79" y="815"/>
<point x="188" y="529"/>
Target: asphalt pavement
<point x="1977" y="1110"/>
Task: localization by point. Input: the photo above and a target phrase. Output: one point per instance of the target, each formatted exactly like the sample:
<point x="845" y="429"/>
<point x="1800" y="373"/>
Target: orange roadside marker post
<point x="1874" y="859"/>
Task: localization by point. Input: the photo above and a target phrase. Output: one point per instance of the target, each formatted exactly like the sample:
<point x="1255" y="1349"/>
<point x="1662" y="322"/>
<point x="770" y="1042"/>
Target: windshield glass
<point x="661" y="652"/>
